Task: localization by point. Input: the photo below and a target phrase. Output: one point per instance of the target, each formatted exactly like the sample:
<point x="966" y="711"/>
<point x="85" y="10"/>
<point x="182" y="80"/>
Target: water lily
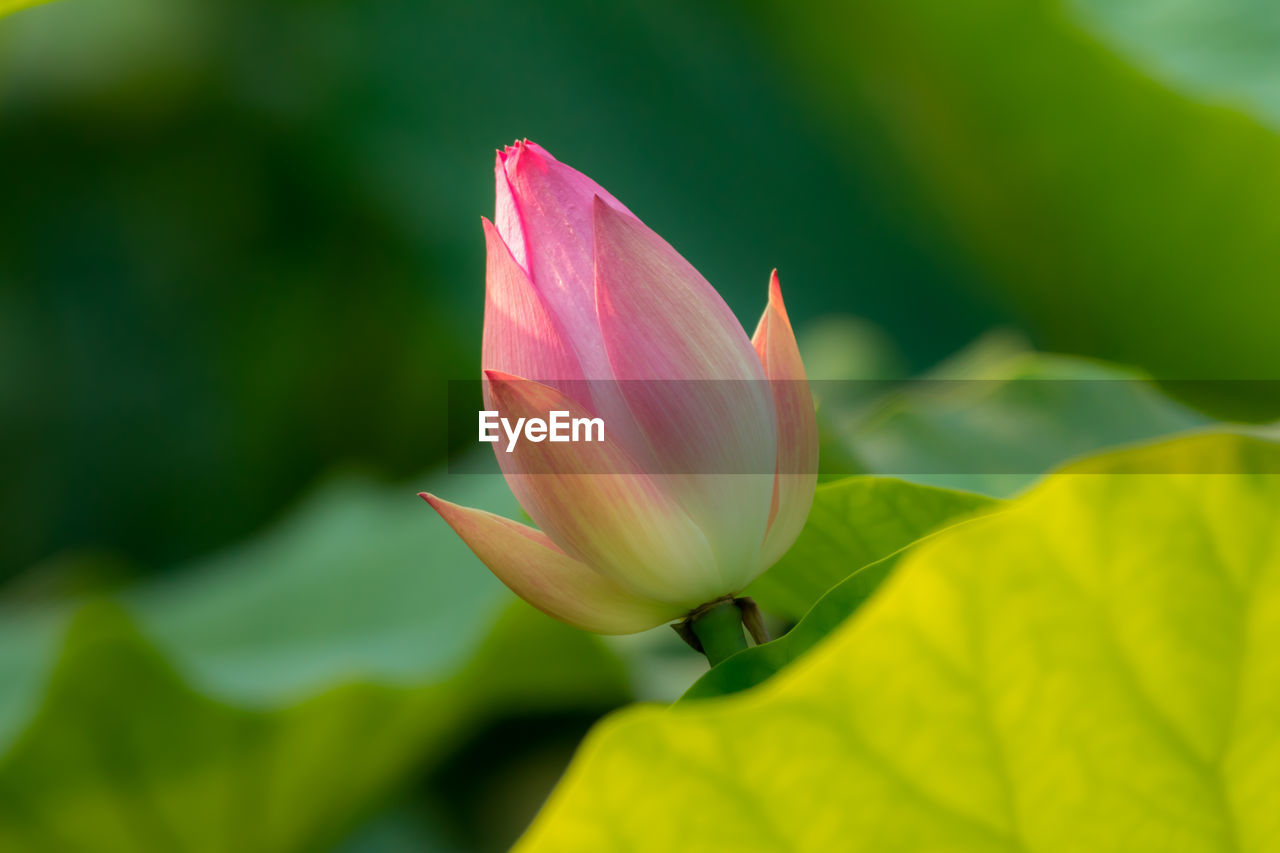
<point x="709" y="472"/>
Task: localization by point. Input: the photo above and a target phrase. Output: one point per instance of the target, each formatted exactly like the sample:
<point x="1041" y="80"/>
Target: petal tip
<point x="506" y="157"/>
<point x="500" y="377"/>
<point x="602" y="207"/>
<point x="775" y="296"/>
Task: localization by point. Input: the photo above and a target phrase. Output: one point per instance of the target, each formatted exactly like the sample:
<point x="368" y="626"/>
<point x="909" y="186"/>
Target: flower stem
<point x="719" y="630"/>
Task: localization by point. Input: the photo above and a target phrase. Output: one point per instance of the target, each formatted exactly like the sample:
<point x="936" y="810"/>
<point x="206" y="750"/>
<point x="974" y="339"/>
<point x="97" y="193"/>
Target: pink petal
<point x="710" y="417"/>
<point x="520" y="336"/>
<point x="599" y="507"/>
<point x="775" y="343"/>
<point x="506" y="213"/>
<point x="536" y="570"/>
<point x="549" y="218"/>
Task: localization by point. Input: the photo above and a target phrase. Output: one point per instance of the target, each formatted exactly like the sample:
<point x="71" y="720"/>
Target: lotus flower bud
<point x="709" y="470"/>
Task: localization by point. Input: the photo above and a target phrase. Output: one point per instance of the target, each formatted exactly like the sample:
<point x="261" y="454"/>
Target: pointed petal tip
<point x="440" y="505"/>
<point x="602" y="207"/>
<point x="499" y="377"/>
<point x="498" y="253"/>
<point x="508" y="158"/>
<point x="599" y="208"/>
<point x="448" y="511"/>
<point x="501" y="156"/>
<point x="775" y="296"/>
<point x="511" y="391"/>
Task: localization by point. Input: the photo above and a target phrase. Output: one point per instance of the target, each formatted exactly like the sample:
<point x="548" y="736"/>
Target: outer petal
<point x="709" y="418"/>
<point x="520" y="335"/>
<point x="506" y="213"/>
<point x="599" y="507"/>
<point x="775" y="343"/>
<point x="549" y="228"/>
<point x="536" y="570"/>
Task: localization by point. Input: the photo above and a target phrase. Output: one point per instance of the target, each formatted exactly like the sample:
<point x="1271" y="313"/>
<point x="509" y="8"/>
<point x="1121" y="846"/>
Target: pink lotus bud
<point x="708" y="471"/>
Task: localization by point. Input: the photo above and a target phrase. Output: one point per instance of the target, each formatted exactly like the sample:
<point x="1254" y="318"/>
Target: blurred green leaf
<point x="855" y="522"/>
<point x="993" y="420"/>
<point x="1050" y="677"/>
<point x="268" y="698"/>
<point x="360" y="578"/>
<point x="398" y="830"/>
<point x="1222" y="51"/>
<point x="1110" y="166"/>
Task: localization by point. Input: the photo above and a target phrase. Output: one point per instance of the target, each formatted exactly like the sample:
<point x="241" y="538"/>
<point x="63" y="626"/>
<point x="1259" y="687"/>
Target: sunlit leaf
<point x="1091" y="669"/>
<point x="10" y="6"/>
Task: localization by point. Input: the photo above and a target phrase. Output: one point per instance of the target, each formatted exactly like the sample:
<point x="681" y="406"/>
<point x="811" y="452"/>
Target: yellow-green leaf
<point x="10" y="6"/>
<point x="1093" y="669"/>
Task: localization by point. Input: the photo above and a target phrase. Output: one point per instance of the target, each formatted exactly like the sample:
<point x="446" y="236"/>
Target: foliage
<point x="1082" y="154"/>
<point x="265" y="700"/>
<point x="995" y="417"/>
<point x="10" y="6"/>
<point x="1051" y="677"/>
<point x="855" y="522"/>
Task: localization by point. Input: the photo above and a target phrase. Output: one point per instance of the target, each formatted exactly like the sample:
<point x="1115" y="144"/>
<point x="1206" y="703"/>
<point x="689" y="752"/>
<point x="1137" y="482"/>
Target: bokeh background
<point x="240" y="260"/>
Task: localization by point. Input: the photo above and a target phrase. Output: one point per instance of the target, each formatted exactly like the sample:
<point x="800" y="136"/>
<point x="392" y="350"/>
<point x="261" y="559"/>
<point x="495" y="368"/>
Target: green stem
<point x="719" y="629"/>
